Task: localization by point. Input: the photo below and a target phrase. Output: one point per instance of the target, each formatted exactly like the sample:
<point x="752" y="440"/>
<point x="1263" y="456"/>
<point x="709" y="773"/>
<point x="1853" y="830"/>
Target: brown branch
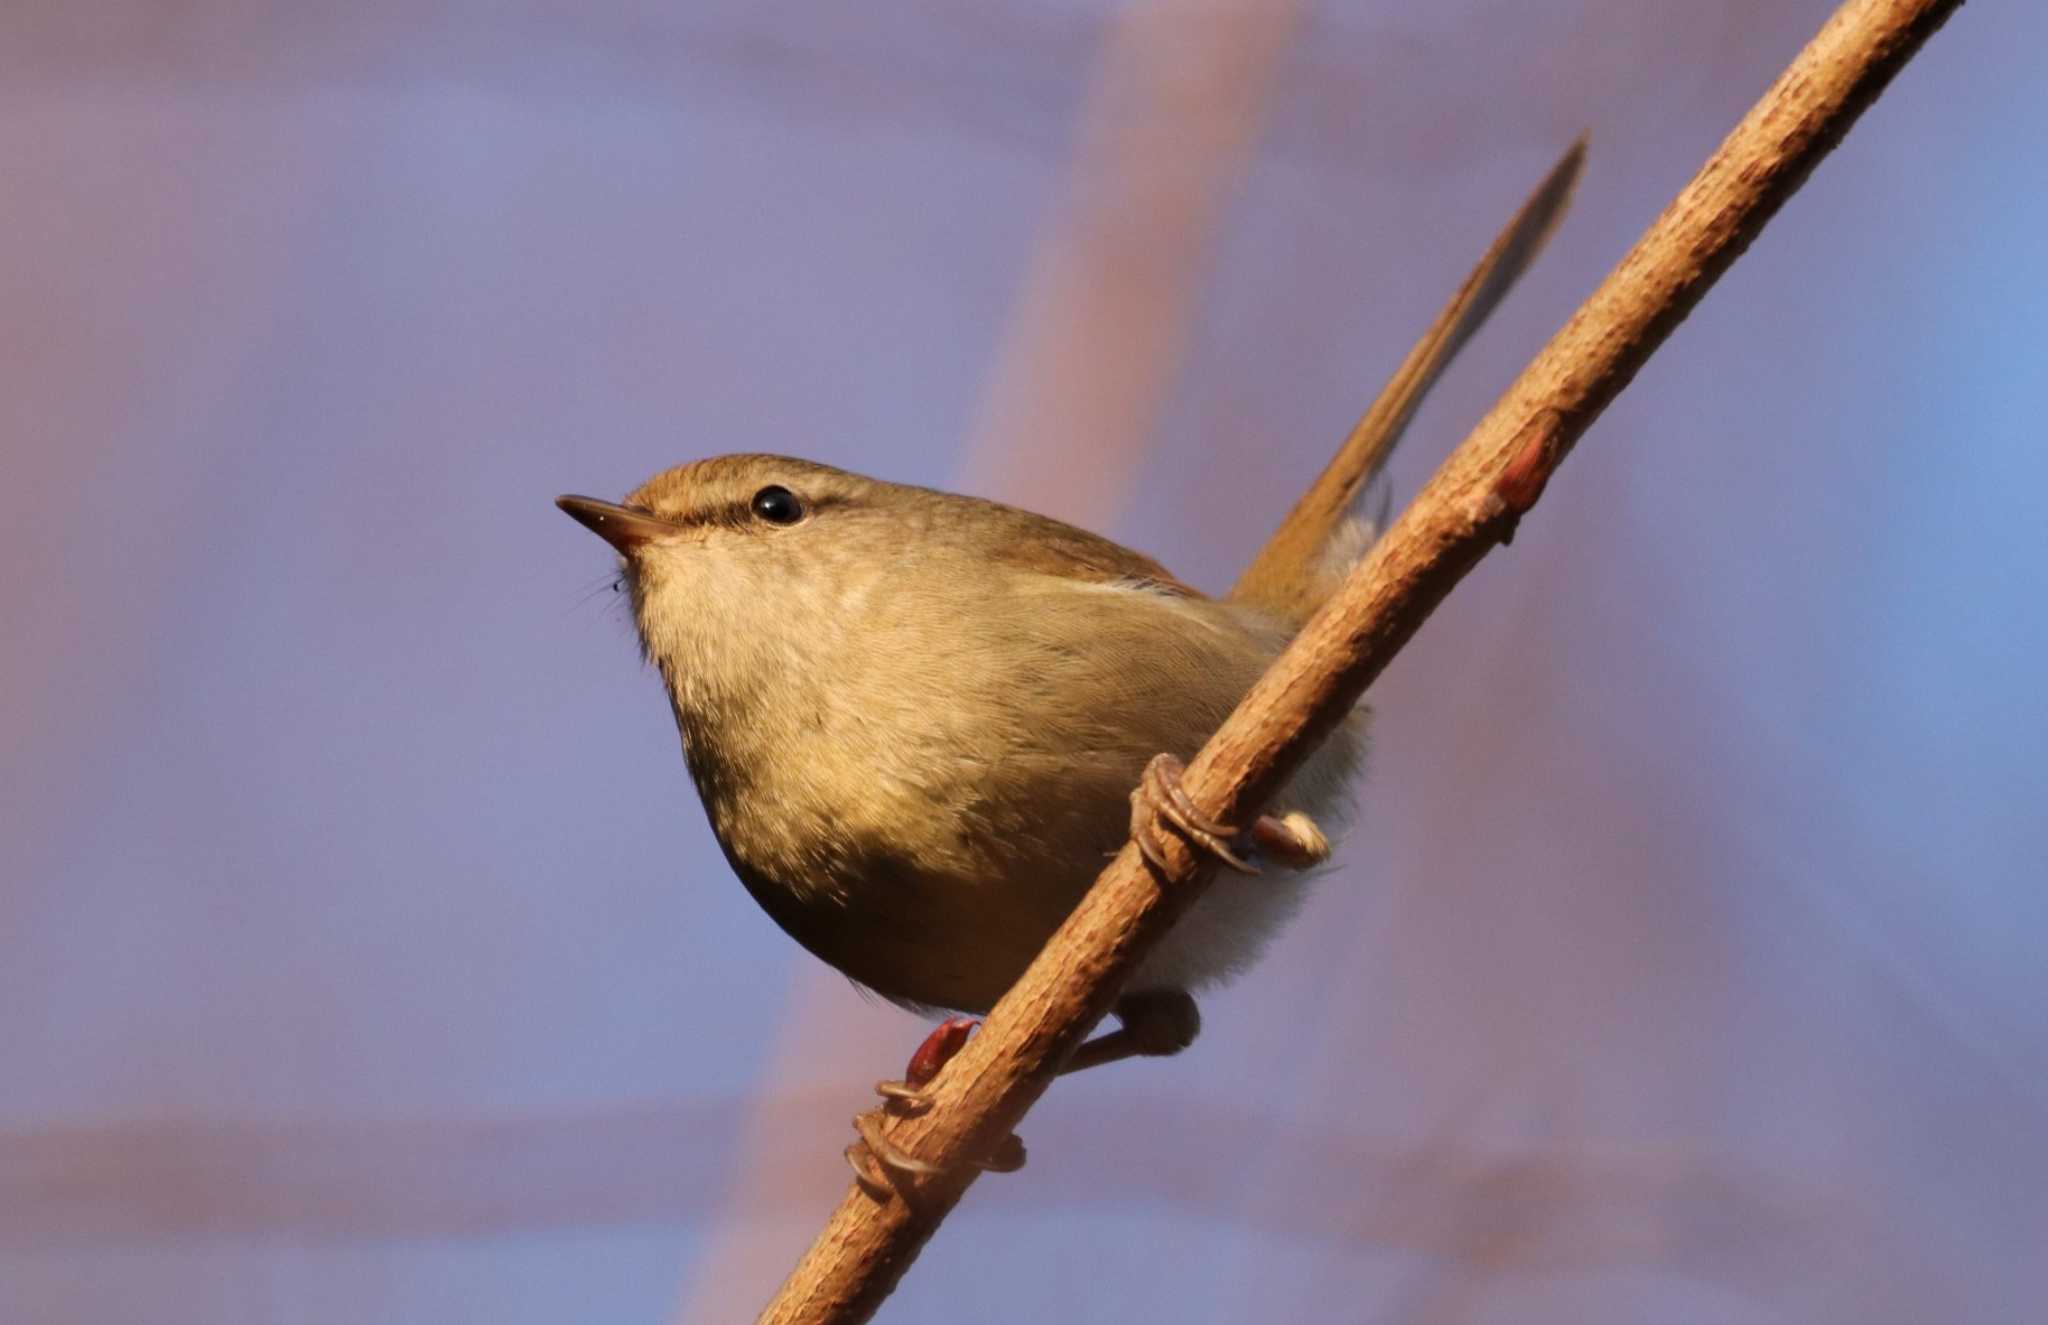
<point x="1472" y="503"/>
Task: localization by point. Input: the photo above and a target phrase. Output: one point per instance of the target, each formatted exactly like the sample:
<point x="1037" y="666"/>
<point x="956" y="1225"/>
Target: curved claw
<point x="887" y="1152"/>
<point x="904" y="1095"/>
<point x="862" y="1161"/>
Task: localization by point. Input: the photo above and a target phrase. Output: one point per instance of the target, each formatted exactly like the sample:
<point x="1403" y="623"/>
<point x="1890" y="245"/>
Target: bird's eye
<point x="777" y="505"/>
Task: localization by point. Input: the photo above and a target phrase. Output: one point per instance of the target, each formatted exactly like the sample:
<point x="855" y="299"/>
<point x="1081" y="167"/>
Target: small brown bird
<point x="916" y="719"/>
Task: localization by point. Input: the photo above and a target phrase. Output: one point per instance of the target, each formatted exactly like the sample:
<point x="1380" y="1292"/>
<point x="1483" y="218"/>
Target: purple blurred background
<point x="363" y="951"/>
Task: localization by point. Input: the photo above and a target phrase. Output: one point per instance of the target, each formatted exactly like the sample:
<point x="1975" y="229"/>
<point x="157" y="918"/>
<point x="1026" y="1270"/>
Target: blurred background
<point x="363" y="950"/>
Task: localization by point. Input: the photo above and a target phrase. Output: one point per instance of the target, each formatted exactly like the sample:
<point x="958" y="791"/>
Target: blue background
<point x="363" y="951"/>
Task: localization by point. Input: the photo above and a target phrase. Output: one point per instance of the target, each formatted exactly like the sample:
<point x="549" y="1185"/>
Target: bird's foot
<point x="1153" y="1024"/>
<point x="1159" y="800"/>
<point x="1292" y="838"/>
<point x="879" y="1163"/>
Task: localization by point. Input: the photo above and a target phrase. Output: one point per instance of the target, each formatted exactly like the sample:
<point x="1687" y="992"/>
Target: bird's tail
<point x="1326" y="533"/>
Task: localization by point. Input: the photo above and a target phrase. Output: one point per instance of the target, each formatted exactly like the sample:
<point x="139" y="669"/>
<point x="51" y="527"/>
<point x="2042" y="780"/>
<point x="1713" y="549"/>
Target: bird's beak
<point x="622" y="526"/>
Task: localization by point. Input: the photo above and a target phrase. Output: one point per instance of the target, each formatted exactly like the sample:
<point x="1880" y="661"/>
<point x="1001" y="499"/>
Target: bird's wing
<point x="1045" y="546"/>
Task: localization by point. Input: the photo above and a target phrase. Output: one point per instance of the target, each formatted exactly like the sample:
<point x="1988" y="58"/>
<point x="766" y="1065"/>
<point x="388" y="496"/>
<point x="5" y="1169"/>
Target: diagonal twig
<point x="1473" y="502"/>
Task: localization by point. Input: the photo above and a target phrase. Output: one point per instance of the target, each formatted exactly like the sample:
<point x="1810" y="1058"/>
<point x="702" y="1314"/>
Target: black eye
<point x="777" y="505"/>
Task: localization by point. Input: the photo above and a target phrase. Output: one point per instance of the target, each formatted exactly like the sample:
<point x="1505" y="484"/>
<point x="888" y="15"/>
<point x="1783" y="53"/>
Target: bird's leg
<point x="1155" y="1024"/>
<point x="947" y="1038"/>
<point x="1292" y="839"/>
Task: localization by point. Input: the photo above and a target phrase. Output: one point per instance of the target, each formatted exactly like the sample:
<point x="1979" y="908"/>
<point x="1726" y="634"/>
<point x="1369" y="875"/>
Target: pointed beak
<point x="622" y="526"/>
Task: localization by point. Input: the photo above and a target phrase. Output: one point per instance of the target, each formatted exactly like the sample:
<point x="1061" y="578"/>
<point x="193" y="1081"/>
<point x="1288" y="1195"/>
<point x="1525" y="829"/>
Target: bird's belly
<point x="959" y="940"/>
<point x="933" y="873"/>
<point x="919" y="939"/>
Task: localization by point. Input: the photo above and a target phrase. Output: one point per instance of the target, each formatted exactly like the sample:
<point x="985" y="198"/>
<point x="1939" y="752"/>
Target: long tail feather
<point x="1289" y="575"/>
